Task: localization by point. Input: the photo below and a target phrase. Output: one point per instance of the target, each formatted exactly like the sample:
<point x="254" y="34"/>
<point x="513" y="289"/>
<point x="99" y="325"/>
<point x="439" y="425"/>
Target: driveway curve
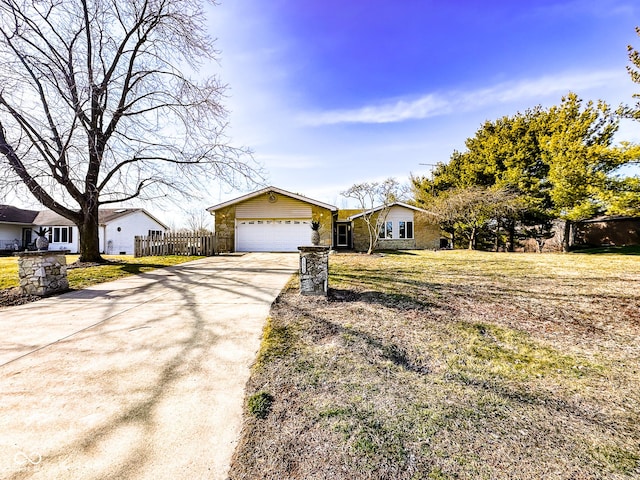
<point x="140" y="378"/>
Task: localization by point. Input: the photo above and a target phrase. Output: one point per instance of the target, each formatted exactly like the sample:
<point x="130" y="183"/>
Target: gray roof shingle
<point x="9" y="214"/>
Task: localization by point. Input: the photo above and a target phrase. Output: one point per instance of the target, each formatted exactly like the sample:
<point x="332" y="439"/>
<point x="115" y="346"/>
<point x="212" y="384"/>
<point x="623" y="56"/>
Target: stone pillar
<point x="314" y="270"/>
<point x="42" y="272"/>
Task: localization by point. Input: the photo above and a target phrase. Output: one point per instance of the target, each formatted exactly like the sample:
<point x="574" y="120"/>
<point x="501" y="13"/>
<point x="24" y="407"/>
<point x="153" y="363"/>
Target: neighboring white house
<point x="117" y="229"/>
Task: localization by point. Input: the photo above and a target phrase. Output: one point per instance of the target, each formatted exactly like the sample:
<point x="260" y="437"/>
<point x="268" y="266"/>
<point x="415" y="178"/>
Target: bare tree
<point x="98" y="106"/>
<point x="375" y="200"/>
<point x="465" y="212"/>
<point x="198" y="221"/>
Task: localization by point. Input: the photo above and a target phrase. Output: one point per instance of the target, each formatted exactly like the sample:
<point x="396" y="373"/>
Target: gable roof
<point x="48" y="218"/>
<point x="45" y="218"/>
<point x="9" y="214"/>
<point x="106" y="215"/>
<point x="268" y="190"/>
<point x="394" y="204"/>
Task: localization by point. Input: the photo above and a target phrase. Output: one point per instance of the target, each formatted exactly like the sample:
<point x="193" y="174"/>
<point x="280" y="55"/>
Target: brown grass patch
<point x="452" y="365"/>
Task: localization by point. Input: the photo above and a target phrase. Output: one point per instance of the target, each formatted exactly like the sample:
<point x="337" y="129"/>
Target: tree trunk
<point x="512" y="236"/>
<point x="370" y="250"/>
<point x="89" y="238"/>
<point x="566" y="240"/>
<point x="472" y="238"/>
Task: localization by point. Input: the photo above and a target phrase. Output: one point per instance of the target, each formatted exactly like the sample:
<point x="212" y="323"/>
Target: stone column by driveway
<point x="314" y="270"/>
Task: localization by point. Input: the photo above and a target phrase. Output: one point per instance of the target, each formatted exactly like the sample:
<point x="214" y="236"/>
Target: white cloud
<point x="436" y="104"/>
<point x="291" y="161"/>
<point x="594" y="8"/>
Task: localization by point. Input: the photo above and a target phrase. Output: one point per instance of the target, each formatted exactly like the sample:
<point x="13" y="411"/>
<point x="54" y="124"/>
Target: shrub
<point x="259" y="404"/>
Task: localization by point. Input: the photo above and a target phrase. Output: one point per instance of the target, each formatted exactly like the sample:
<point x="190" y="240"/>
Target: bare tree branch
<point x="374" y="199"/>
<point x="100" y="103"/>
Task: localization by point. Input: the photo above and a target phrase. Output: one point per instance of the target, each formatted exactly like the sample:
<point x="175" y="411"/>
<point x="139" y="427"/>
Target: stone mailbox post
<point x="42" y="272"/>
<point x="314" y="270"/>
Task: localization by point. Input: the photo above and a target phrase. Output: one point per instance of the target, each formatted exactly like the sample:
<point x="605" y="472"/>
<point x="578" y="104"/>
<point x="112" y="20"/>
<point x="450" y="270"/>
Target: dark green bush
<point x="259" y="404"/>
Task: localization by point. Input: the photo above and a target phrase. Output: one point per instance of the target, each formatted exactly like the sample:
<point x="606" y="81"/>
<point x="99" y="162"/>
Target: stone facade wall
<point x="360" y="235"/>
<point x="42" y="273"/>
<point x="396" y="244"/>
<point x="325" y="217"/>
<point x="225" y="224"/>
<point x="427" y="234"/>
<point x="314" y="270"/>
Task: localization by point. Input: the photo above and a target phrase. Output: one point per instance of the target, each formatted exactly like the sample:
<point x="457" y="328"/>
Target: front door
<point x="343" y="235"/>
<point x="26" y="237"/>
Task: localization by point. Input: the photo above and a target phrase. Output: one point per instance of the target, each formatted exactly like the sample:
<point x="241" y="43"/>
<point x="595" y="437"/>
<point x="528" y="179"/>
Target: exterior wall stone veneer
<point x="42" y="272"/>
<point x="360" y="235"/>
<point x="426" y="236"/>
<point x="225" y="224"/>
<point x="325" y="217"/>
<point x="314" y="270"/>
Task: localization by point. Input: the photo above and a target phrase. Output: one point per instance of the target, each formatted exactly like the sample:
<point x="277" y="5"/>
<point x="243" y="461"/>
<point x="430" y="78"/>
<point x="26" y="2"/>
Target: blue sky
<point x="330" y="93"/>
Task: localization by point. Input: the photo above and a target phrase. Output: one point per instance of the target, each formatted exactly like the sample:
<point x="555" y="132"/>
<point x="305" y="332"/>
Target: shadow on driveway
<point x="138" y="378"/>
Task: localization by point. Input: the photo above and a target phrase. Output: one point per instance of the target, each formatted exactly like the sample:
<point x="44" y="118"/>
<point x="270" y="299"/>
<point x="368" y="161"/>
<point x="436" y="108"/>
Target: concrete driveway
<point x="141" y="378"/>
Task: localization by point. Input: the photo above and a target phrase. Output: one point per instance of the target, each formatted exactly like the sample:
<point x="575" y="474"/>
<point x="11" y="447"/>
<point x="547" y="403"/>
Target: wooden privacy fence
<point x="181" y="244"/>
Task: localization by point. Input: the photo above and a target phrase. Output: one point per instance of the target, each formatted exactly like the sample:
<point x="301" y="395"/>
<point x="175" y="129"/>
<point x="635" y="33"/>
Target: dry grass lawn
<point x="451" y="365"/>
<point x="82" y="275"/>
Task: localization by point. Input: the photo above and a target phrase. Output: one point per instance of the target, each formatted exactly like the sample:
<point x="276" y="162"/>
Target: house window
<point x="155" y="233"/>
<point x="386" y="231"/>
<point x="61" y="234"/>
<point x="405" y="229"/>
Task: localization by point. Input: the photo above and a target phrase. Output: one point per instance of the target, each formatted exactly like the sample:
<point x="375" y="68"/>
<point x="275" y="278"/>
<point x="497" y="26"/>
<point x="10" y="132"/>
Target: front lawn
<point x="443" y="365"/>
<point x="119" y="266"/>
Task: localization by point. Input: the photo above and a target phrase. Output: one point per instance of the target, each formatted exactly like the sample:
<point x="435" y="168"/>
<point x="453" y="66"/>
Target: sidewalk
<point x="141" y="378"/>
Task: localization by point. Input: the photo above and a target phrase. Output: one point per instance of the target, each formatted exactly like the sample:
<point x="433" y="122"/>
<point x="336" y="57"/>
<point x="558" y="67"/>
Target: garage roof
<point x="266" y="191"/>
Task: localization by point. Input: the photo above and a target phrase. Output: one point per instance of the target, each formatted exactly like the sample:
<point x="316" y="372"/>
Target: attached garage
<point x="272" y="220"/>
<point x="272" y="235"/>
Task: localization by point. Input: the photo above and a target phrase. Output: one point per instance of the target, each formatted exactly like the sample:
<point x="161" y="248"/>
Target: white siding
<point x="283" y="207"/>
<point x="136" y="223"/>
<point x="73" y="246"/>
<point x="397" y="214"/>
<point x="8" y="234"/>
<point x="102" y="233"/>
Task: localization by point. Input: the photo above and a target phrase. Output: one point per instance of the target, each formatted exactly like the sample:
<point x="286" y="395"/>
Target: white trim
<point x="381" y="207"/>
<point x="275" y="190"/>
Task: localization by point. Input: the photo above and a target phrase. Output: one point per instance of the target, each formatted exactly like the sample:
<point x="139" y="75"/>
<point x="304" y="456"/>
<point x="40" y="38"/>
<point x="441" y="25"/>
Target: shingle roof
<point x="11" y="214"/>
<point x="106" y="215"/>
<point x="268" y="190"/>
<point x="394" y="204"/>
<point x="48" y="218"/>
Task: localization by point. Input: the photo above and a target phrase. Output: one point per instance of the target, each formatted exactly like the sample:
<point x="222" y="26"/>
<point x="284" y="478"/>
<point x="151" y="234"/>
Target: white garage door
<point x="272" y="235"/>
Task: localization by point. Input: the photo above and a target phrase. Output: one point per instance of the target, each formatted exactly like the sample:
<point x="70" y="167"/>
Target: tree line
<point x="521" y="172"/>
<point x="102" y="102"/>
